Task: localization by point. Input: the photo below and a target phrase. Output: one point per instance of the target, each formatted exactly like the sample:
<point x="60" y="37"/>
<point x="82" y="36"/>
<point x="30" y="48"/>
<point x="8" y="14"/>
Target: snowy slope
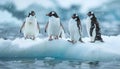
<point x="61" y="49"/>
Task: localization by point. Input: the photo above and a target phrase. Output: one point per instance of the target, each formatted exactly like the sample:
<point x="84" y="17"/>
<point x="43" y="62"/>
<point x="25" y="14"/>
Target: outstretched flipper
<point x="91" y="29"/>
<point x="46" y="27"/>
<point x="62" y="26"/>
<point x="62" y="31"/>
<point x="38" y="27"/>
<point x="22" y="27"/>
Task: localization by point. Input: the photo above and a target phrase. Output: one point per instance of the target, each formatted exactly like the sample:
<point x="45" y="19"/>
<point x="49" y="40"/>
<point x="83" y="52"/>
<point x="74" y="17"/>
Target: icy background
<point x="59" y="54"/>
<point x="61" y="49"/>
<point x="13" y="13"/>
<point x="17" y="53"/>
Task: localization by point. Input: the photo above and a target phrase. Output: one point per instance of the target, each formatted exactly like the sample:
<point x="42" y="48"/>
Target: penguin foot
<point x="92" y="41"/>
<point x="25" y="38"/>
<point x="101" y="40"/>
<point x="33" y="38"/>
<point x="30" y="37"/>
<point x="56" y="37"/>
<point x="71" y="41"/>
<point x="50" y="39"/>
<point x="81" y="41"/>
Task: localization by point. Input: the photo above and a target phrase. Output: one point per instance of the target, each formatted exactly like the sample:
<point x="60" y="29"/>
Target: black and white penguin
<point x="75" y="29"/>
<point x="93" y="28"/>
<point x="54" y="26"/>
<point x="30" y="27"/>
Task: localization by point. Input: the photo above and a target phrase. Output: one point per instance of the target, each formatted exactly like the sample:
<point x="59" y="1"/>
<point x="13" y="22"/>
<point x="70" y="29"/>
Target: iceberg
<point x="61" y="49"/>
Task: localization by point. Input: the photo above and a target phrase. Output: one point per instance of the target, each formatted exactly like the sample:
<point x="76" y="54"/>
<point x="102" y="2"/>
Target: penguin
<point x="93" y="28"/>
<point x="30" y="27"/>
<point x="75" y="29"/>
<point x="54" y="26"/>
<point x="88" y="26"/>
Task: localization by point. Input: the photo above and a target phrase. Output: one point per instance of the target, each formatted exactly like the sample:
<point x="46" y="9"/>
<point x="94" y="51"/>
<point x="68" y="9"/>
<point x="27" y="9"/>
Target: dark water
<point x="57" y="64"/>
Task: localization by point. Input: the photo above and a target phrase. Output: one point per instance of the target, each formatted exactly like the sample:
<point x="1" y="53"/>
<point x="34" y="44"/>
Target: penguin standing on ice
<point x="75" y="29"/>
<point x="30" y="27"/>
<point x="93" y="28"/>
<point x="54" y="26"/>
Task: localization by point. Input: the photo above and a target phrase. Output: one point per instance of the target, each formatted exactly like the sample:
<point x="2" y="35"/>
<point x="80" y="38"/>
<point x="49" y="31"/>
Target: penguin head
<point x="32" y="13"/>
<point x="75" y="16"/>
<point x="52" y="13"/>
<point x="90" y="13"/>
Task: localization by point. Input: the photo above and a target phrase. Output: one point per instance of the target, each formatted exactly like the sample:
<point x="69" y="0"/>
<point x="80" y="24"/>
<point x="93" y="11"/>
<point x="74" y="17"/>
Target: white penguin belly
<point x="93" y="34"/>
<point x="73" y="29"/>
<point x="54" y="26"/>
<point x="88" y="25"/>
<point x="31" y="29"/>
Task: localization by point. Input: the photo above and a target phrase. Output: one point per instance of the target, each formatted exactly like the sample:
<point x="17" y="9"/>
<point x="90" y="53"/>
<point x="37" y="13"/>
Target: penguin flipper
<point x="46" y="27"/>
<point x="22" y="27"/>
<point x="91" y="29"/>
<point x="38" y="27"/>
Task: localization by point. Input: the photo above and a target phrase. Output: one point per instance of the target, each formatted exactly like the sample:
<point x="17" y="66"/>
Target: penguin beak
<point x="47" y="14"/>
<point x="73" y="17"/>
<point x="89" y="14"/>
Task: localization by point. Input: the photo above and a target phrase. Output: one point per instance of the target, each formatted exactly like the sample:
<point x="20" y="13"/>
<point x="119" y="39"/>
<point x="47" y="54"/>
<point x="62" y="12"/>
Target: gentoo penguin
<point x="93" y="28"/>
<point x="53" y="27"/>
<point x="75" y="29"/>
<point x="30" y="27"/>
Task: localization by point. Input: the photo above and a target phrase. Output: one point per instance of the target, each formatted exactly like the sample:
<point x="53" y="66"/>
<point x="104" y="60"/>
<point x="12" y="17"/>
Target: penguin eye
<point x="76" y="15"/>
<point x="53" y="12"/>
<point x="92" y="13"/>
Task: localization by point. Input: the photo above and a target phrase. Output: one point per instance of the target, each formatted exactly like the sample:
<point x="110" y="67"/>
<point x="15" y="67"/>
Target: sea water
<point x="56" y="64"/>
<point x="59" y="54"/>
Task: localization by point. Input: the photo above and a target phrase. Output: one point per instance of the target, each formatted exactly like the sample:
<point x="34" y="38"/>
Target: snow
<point x="3" y="1"/>
<point x="61" y="49"/>
<point x="7" y="17"/>
<point x="84" y="4"/>
<point x="22" y="4"/>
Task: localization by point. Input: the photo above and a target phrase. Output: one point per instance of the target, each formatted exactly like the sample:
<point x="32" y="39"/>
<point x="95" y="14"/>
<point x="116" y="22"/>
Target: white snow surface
<point x="85" y="4"/>
<point x="61" y="49"/>
<point x="6" y="17"/>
